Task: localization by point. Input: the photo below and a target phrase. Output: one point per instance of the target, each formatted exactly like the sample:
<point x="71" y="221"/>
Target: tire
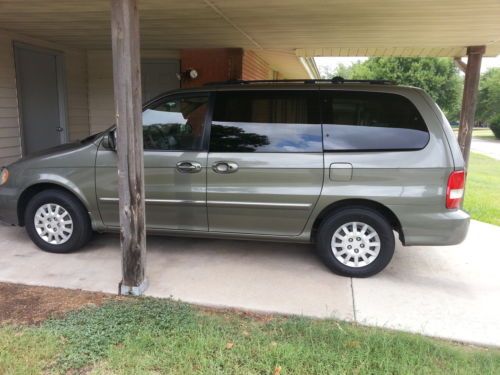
<point x="63" y="224"/>
<point x="371" y="259"/>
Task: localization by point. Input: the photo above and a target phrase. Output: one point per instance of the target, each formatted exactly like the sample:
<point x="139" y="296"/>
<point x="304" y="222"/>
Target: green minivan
<point x="344" y="165"/>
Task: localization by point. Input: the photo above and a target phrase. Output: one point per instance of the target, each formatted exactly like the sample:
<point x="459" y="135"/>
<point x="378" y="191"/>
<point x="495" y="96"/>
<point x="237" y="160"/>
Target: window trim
<point x="176" y="96"/>
<point x="378" y="149"/>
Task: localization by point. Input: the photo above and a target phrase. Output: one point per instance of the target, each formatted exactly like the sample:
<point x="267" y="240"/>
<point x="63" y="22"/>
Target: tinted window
<point x="175" y="124"/>
<point x="371" y="121"/>
<point x="266" y="121"/>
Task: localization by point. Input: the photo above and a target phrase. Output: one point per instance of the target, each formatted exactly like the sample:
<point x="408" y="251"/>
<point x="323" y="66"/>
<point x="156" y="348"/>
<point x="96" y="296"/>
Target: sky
<point x="333" y="62"/>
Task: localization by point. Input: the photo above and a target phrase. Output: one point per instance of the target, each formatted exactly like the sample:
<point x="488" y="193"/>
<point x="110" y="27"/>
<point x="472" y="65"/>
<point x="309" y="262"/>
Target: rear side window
<point x="266" y="121"/>
<point x="369" y="121"/>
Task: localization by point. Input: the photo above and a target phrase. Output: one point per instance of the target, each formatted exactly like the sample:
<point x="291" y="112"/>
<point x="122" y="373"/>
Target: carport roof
<point x="306" y="28"/>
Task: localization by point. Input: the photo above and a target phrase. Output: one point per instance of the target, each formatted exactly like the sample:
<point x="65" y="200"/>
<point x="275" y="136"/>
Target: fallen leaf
<point x="277" y="370"/>
<point x="246" y="333"/>
<point x="274" y="344"/>
<point x="229" y="345"/>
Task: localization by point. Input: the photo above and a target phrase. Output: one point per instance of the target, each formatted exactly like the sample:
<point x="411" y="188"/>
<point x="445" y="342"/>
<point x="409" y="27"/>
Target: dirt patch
<point x="22" y="304"/>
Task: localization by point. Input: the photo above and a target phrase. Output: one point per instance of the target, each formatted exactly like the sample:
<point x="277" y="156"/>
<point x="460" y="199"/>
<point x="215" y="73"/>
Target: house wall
<point x="255" y="67"/>
<point x="212" y="65"/>
<point x="100" y="85"/>
<point x="76" y="89"/>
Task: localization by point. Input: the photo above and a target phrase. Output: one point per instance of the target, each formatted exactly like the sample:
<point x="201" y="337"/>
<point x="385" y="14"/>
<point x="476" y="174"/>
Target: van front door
<point x="175" y="170"/>
<point x="265" y="162"/>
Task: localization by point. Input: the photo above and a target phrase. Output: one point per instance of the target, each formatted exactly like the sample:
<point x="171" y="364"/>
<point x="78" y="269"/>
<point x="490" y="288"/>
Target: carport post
<point x="469" y="100"/>
<point x="127" y="91"/>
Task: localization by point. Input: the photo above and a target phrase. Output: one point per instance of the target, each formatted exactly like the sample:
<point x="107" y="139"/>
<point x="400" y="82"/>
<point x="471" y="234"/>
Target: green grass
<point x="482" y="194"/>
<point x="484" y="133"/>
<point x="163" y="337"/>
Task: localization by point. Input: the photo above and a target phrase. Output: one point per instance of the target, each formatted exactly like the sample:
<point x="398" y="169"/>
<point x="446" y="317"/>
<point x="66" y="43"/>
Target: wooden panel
<point x="255" y="67"/>
<point x="77" y="94"/>
<point x="442" y="27"/>
<point x="101" y="99"/>
<point x="9" y="123"/>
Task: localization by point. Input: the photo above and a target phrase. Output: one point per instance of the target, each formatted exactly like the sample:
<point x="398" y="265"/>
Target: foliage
<point x="164" y="337"/>
<point x="482" y="195"/>
<point x="439" y="77"/>
<point x="488" y="106"/>
<point x="495" y="125"/>
<point x="90" y="333"/>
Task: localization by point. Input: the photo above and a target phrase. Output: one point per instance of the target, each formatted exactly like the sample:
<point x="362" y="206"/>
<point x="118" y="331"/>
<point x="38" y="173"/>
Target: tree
<point x="488" y="106"/>
<point x="439" y="77"/>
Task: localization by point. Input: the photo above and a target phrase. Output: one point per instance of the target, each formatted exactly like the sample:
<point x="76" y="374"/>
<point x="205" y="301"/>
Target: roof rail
<point x="335" y="80"/>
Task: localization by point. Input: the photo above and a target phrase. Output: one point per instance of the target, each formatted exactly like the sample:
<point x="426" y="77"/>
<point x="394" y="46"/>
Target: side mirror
<point x="109" y="141"/>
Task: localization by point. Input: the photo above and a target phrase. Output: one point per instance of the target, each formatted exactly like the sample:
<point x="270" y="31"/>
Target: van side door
<point x="175" y="157"/>
<point x="265" y="161"/>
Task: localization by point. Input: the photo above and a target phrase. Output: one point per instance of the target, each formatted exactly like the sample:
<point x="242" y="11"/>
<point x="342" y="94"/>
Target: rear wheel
<point x="356" y="242"/>
<point x="57" y="221"/>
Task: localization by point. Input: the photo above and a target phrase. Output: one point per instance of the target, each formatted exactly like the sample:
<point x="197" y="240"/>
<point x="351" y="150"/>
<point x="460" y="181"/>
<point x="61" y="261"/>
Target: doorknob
<point x="59" y="129"/>
<point x="188" y="166"/>
<point x="225" y="167"/>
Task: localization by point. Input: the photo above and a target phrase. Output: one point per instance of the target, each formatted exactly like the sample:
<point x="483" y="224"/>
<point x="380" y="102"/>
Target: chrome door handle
<point x="225" y="167"/>
<point x="188" y="166"/>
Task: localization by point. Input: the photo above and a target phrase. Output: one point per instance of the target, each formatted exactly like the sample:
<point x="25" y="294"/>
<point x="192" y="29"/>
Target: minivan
<point x="345" y="165"/>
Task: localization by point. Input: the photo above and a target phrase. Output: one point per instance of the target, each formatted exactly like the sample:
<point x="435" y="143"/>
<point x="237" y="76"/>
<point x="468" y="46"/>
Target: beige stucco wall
<point x="100" y="72"/>
<point x="76" y="89"/>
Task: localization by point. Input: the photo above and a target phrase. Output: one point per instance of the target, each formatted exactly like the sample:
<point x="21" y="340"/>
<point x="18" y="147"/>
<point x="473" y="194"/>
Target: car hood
<point x="69" y="155"/>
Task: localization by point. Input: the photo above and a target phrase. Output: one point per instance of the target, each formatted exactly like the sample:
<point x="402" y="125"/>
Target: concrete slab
<point x="451" y="292"/>
<point x="266" y="277"/>
<point x="486" y="147"/>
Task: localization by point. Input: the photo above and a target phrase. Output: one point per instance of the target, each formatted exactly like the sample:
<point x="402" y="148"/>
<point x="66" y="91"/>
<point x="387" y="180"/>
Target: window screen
<point x="175" y="124"/>
<point x="266" y="121"/>
<point x="354" y="121"/>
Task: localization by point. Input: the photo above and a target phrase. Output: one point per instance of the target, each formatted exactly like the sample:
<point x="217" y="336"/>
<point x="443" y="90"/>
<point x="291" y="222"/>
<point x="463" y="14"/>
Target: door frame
<point x="61" y="89"/>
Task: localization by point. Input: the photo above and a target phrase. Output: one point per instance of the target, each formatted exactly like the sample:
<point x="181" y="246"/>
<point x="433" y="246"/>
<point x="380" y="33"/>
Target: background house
<point x="51" y="93"/>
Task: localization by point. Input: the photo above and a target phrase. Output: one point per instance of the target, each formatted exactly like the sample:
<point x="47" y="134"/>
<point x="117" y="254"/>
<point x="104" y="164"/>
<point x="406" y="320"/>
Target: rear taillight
<point x="455" y="189"/>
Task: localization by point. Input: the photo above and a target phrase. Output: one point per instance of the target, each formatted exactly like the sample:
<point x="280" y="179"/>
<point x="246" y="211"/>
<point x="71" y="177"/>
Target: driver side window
<point x="175" y="124"/>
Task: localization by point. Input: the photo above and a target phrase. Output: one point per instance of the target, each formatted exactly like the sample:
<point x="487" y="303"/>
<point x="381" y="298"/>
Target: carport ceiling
<point x="310" y="27"/>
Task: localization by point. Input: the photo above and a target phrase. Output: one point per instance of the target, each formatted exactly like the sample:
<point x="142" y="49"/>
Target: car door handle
<point x="188" y="166"/>
<point x="225" y="167"/>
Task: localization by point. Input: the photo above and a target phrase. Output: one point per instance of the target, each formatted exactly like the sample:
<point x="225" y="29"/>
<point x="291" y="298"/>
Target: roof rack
<point x="335" y="80"/>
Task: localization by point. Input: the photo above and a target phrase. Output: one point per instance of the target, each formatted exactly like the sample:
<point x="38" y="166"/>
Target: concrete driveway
<point x="486" y="147"/>
<point x="451" y="292"/>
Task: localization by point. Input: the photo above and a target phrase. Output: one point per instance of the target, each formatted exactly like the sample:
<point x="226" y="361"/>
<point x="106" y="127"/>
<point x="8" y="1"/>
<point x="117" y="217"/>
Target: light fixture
<point x="187" y="74"/>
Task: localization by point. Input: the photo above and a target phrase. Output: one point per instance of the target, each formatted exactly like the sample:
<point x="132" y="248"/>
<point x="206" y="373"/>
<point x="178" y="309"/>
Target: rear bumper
<point x="8" y="206"/>
<point x="421" y="227"/>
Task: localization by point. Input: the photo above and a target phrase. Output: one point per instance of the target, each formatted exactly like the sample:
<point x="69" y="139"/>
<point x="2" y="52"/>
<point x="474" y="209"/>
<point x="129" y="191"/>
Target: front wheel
<point x="57" y="221"/>
<point x="356" y="242"/>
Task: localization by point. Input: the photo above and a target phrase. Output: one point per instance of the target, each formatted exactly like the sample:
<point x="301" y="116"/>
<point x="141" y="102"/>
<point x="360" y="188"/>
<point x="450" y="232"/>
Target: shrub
<point x="495" y="126"/>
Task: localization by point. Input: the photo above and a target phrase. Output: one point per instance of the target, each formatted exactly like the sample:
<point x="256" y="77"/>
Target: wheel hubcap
<point x="356" y="244"/>
<point x="53" y="223"/>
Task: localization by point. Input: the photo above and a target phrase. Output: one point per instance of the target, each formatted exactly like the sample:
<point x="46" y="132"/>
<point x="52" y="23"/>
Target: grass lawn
<point x="483" y="133"/>
<point x="482" y="195"/>
<point x="139" y="336"/>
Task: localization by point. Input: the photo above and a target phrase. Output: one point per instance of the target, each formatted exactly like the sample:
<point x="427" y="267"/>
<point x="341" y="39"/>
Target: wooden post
<point x="128" y="105"/>
<point x="469" y="101"/>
